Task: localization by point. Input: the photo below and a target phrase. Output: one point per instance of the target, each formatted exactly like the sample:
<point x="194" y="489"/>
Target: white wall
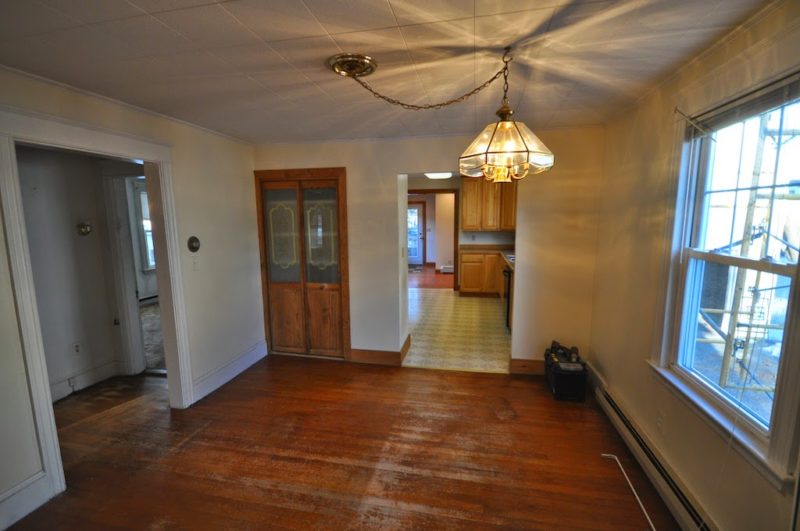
<point x="213" y="187"/>
<point x="19" y="447"/>
<point x="638" y="200"/>
<point x="556" y="237"/>
<point x="71" y="272"/>
<point x="445" y="220"/>
<point x="377" y="273"/>
<point x="213" y="192"/>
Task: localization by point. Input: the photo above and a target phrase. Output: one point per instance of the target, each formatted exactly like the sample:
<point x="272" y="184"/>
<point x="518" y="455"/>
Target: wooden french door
<point x="303" y="237"/>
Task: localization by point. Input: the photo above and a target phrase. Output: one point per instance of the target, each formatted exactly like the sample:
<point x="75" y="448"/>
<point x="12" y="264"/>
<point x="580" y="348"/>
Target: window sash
<point x="774" y="452"/>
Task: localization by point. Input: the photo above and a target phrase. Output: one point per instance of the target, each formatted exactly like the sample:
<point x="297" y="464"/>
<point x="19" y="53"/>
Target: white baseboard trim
<point x="654" y="465"/>
<point x="61" y="388"/>
<point x="25" y="498"/>
<point x="212" y="381"/>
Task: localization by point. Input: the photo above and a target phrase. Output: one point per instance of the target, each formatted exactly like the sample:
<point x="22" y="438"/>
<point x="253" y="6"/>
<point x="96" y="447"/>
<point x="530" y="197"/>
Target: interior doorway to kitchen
<point x="449" y="330"/>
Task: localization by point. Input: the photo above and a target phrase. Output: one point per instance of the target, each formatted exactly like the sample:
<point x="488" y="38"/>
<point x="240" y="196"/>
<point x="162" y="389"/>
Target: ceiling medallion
<point x="352" y="64"/>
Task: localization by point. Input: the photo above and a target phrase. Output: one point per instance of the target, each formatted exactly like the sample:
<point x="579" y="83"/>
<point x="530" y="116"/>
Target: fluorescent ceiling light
<point x="439" y="175"/>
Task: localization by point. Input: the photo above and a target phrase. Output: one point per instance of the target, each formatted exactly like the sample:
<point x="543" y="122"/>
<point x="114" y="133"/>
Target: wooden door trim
<point x="309" y="174"/>
<point x="424" y="230"/>
<point x="456" y="223"/>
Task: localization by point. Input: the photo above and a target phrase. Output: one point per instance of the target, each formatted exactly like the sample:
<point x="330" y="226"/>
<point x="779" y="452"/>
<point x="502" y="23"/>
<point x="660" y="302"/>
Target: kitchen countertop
<point x="509" y="258"/>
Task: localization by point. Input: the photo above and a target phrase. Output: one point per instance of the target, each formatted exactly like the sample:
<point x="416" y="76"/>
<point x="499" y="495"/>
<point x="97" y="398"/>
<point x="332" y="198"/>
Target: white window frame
<point x="774" y="452"/>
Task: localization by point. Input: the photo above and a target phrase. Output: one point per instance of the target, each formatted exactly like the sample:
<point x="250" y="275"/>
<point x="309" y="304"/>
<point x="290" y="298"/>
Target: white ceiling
<point x="255" y="69"/>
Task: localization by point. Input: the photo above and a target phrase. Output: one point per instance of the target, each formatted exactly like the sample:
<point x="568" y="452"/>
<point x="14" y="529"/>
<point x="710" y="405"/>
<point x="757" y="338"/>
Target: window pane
<point x="322" y="235"/>
<point x="735" y="339"/>
<point x="751" y="203"/>
<point x="280" y="222"/>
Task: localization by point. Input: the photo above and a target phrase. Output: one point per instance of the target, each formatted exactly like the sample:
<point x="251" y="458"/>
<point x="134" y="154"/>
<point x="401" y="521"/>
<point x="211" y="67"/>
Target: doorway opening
<point x="89" y="232"/>
<point x="451" y="327"/>
<point x="144" y="259"/>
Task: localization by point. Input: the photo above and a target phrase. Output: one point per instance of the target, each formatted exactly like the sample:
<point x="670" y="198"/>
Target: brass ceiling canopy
<point x="352" y="64"/>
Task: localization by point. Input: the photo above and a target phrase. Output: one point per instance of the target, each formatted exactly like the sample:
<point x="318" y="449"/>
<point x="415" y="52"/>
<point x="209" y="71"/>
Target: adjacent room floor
<point x="150" y="315"/>
<point x="427" y="277"/>
<point x="457" y="333"/>
<point x="314" y="444"/>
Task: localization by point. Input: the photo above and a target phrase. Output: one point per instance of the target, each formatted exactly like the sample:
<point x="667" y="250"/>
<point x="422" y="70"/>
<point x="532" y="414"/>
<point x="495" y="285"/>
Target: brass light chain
<point x="464" y="97"/>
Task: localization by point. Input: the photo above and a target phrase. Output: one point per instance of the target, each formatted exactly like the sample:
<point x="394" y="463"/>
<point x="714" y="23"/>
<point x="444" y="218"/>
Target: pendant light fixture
<point x="503" y="151"/>
<point x="507" y="149"/>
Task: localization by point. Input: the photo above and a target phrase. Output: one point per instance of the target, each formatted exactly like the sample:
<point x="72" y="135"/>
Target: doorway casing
<point x="49" y="132"/>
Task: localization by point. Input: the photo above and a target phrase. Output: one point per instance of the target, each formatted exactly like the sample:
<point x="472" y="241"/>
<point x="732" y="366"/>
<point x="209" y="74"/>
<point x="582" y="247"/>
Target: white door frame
<point x="47" y="131"/>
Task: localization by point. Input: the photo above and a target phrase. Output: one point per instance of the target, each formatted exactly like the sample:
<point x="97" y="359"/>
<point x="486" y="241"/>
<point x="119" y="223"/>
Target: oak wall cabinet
<point x="487" y="206"/>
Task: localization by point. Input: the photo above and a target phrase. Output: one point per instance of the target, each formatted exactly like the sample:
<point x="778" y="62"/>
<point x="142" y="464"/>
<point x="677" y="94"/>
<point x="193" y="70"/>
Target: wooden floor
<point x="429" y="278"/>
<point x="315" y="444"/>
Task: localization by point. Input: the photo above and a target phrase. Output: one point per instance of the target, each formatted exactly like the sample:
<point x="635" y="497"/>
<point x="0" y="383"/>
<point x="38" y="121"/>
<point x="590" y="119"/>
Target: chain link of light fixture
<point x="464" y="97"/>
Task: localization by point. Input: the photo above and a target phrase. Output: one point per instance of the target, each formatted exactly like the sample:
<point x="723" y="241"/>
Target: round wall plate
<point x="352" y="64"/>
<point x="193" y="244"/>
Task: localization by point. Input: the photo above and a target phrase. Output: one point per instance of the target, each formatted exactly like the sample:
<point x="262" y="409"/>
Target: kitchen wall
<point x="72" y="273"/>
<point x="634" y="244"/>
<point x="445" y="219"/>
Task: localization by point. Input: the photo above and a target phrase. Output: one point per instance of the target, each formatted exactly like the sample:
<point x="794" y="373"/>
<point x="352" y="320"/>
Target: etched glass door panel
<point x="282" y="234"/>
<point x="320" y="215"/>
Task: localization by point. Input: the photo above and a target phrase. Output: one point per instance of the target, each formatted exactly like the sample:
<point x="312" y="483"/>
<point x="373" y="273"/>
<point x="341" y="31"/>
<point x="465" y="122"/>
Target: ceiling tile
<point x="189" y="64"/>
<point x="274" y="20"/>
<point x="292" y="86"/>
<point x="594" y="57"/>
<point x="416" y="12"/>
<point x="494" y="7"/>
<point x="511" y="29"/>
<point x="145" y="35"/>
<point x="23" y="18"/>
<point x="87" y="43"/>
<point x="307" y="54"/>
<point x="159" y="6"/>
<point x="440" y="41"/>
<point x="251" y="58"/>
<point x="208" y="26"/>
<point x="90" y="11"/>
<point x="386" y="46"/>
<point x="352" y="15"/>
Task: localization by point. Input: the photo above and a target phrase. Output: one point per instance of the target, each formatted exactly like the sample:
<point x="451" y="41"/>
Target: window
<point x="147" y="248"/>
<point x="739" y="260"/>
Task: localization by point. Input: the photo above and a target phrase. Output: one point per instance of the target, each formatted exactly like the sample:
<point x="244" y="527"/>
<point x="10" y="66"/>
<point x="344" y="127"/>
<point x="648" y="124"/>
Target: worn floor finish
<point x="315" y="444"/>
<point x="457" y="333"/>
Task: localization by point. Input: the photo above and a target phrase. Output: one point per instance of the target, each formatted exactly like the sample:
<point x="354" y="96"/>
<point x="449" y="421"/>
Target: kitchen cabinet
<point x="487" y="206"/>
<point x="481" y="272"/>
<point x="471" y="275"/>
<point x="508" y="206"/>
<point x="471" y="204"/>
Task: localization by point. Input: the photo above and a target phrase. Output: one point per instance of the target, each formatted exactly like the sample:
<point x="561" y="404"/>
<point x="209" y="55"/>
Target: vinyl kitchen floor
<point x="457" y="333"/>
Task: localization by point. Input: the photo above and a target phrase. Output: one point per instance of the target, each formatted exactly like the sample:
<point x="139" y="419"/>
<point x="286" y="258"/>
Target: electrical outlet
<point x="76" y="347"/>
<point x="71" y="382"/>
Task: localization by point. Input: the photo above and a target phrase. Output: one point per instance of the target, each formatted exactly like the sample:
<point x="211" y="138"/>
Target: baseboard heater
<point x="676" y="490"/>
<point x="446" y="269"/>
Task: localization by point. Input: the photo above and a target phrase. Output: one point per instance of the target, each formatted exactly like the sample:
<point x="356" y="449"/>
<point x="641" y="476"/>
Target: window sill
<point x="750" y="447"/>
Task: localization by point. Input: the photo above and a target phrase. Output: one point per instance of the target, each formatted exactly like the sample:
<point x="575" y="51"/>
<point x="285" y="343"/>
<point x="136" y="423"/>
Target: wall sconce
<point x="84" y="228"/>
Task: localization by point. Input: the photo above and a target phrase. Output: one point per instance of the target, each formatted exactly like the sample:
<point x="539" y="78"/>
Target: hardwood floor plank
<point x="312" y="444"/>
